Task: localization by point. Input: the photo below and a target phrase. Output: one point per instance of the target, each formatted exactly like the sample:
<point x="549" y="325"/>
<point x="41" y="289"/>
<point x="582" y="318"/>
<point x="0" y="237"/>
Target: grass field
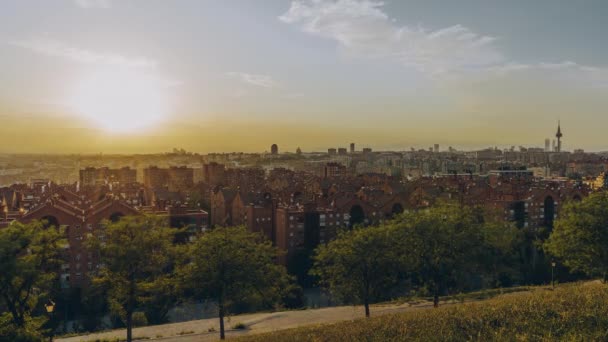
<point x="572" y="312"/>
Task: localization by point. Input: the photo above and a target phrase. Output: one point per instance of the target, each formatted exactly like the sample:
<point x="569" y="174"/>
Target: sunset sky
<point x="87" y="76"/>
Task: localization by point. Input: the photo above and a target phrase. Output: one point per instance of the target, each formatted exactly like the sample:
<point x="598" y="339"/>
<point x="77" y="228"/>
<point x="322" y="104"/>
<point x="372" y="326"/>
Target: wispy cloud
<point x="258" y="80"/>
<point x="60" y="49"/>
<point x="566" y="71"/>
<point x="453" y="53"/>
<point x="93" y="3"/>
<point x="363" y="27"/>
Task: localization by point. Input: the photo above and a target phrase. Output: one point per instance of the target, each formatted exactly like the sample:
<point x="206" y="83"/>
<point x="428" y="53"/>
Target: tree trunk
<point x="366" y="295"/>
<point x="129" y="326"/>
<point x="222" y="333"/>
<point x="436" y="300"/>
<point x="130" y="308"/>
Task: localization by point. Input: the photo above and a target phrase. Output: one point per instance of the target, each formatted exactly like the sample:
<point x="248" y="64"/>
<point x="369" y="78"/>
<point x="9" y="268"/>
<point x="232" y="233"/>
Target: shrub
<point x="239" y="326"/>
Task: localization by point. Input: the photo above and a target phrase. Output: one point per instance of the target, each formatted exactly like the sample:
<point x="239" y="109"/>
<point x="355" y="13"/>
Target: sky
<point x="144" y="76"/>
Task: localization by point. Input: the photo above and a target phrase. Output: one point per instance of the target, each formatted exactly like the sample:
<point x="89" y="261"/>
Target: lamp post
<point x="50" y="308"/>
<point x="552" y="274"/>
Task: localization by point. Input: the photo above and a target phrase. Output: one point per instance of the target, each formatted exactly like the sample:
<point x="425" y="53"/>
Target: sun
<point x="120" y="101"/>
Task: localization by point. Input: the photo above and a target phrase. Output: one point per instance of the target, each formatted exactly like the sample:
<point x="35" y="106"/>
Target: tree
<point x="168" y="291"/>
<point x="230" y="265"/>
<point x="134" y="255"/>
<point x="450" y="245"/>
<point x="359" y="266"/>
<point x="500" y="253"/>
<point x="30" y="254"/>
<point x="580" y="236"/>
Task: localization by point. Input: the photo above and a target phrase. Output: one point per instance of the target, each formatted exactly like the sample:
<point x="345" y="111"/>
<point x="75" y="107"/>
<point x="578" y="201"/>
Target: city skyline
<point x="89" y="76"/>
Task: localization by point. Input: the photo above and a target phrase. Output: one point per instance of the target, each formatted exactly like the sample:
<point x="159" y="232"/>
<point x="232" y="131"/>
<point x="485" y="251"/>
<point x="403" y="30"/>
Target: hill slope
<point x="576" y="312"/>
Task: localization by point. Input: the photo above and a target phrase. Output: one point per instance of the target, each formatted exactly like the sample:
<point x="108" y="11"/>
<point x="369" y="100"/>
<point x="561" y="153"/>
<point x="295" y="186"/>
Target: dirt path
<point x="256" y="323"/>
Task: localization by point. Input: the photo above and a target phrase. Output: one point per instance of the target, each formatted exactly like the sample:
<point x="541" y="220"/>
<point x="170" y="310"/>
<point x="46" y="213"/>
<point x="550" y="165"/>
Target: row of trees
<point x="143" y="265"/>
<point x="449" y="248"/>
<point x="442" y="249"/>
<point x="147" y="266"/>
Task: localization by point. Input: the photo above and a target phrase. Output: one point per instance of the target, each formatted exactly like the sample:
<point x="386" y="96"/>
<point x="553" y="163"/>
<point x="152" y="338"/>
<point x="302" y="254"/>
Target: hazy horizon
<point x="134" y="76"/>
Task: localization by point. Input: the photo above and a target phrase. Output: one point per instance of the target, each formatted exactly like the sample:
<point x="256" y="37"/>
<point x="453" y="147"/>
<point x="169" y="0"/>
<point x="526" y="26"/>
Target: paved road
<point x="256" y="323"/>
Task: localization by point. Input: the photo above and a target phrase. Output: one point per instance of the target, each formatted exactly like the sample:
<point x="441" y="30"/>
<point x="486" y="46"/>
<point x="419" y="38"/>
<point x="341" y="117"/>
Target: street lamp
<point x="552" y="272"/>
<point x="50" y="308"/>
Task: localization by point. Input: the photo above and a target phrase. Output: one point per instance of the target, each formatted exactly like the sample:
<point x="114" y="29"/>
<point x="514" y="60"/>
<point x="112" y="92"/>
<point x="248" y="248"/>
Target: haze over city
<point x="89" y="76"/>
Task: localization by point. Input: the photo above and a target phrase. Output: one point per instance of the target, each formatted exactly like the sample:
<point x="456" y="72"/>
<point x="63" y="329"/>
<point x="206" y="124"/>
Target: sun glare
<point x="122" y="101"/>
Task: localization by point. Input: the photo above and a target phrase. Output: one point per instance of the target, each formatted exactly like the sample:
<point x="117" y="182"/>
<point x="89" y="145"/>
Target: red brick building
<point x="79" y="222"/>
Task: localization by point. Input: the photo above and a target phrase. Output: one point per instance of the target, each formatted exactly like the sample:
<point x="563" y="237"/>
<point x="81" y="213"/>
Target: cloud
<point x="450" y="54"/>
<point x="258" y="80"/>
<point x="362" y="27"/>
<point x="565" y="71"/>
<point x="93" y="3"/>
<point x="57" y="48"/>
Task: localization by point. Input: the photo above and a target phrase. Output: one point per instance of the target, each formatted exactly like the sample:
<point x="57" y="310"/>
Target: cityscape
<point x="375" y="171"/>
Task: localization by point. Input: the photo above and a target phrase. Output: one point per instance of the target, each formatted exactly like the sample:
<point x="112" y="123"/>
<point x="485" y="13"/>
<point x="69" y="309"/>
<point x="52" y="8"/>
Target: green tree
<point x="168" y="291"/>
<point x="134" y="255"/>
<point x="232" y="266"/>
<point x="450" y="246"/>
<point x="30" y="254"/>
<point x="359" y="266"/>
<point x="580" y="236"/>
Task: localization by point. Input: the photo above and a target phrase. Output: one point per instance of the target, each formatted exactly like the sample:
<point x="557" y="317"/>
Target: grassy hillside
<point x="576" y="312"/>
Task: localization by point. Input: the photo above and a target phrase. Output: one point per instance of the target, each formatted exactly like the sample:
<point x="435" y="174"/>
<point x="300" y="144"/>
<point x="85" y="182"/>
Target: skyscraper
<point x="352" y="147"/>
<point x="547" y="145"/>
<point x="274" y="149"/>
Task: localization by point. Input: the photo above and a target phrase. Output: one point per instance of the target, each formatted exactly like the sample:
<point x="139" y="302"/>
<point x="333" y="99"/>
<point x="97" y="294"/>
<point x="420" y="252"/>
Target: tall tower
<point x="559" y="135"/>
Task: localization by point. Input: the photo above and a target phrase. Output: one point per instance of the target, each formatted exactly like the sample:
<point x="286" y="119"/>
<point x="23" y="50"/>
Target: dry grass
<point x="577" y="312"/>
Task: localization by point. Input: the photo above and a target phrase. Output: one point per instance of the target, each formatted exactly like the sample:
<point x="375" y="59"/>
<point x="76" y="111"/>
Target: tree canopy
<point x="135" y="256"/>
<point x="443" y="248"/>
<point x="449" y="246"/>
<point x="29" y="256"/>
<point x="580" y="236"/>
<point x="231" y="265"/>
<point x="359" y="266"/>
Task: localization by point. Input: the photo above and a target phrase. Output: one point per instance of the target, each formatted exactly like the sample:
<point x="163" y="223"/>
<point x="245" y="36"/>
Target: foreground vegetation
<point x="147" y="267"/>
<point x="576" y="312"/>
